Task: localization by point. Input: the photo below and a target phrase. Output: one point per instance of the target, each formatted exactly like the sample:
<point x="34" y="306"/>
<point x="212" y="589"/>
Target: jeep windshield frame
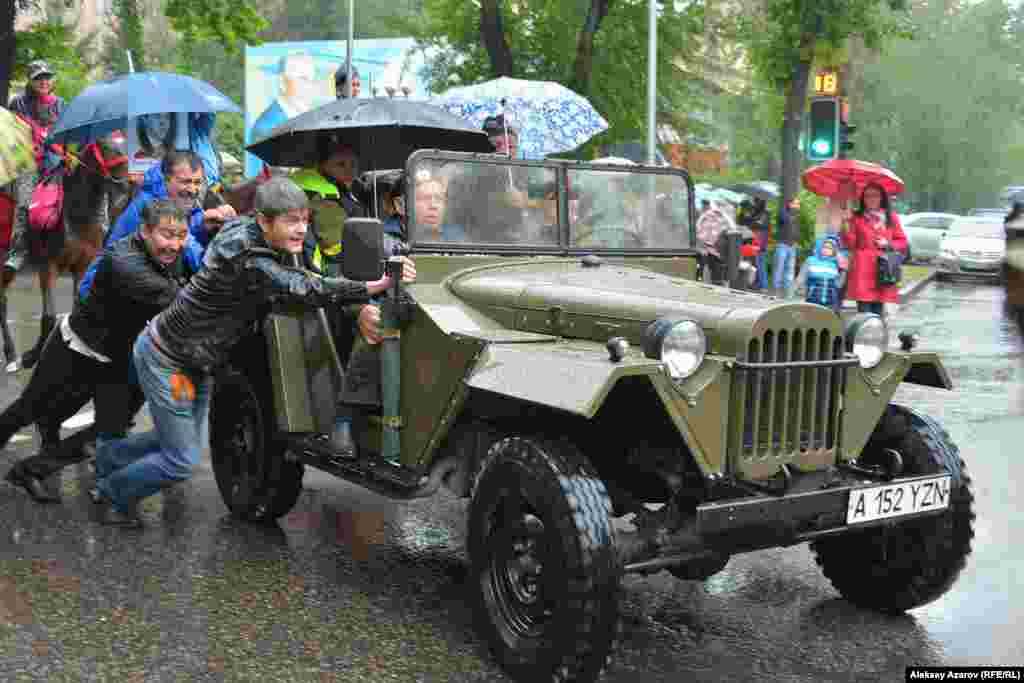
<point x="660" y="206"/>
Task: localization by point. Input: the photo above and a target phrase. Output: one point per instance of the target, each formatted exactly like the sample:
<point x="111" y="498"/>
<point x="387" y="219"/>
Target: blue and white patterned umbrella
<point x="550" y="117"/>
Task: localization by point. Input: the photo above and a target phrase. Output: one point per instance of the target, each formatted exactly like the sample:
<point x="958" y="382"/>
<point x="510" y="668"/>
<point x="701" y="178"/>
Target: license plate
<point x="896" y="500"/>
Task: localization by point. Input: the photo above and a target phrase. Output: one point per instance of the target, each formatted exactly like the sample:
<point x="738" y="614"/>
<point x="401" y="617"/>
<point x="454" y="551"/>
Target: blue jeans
<point x="785" y="264"/>
<point x="762" y="270"/>
<point x="142" y="464"/>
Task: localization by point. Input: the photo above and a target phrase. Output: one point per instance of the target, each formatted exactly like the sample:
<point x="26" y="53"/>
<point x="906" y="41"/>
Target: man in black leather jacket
<point x="243" y="276"/>
<point x="90" y="355"/>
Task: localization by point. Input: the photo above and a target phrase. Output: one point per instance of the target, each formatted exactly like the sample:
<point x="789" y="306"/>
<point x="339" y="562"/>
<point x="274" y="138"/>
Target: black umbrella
<point x="382" y="130"/>
<point x="761" y="190"/>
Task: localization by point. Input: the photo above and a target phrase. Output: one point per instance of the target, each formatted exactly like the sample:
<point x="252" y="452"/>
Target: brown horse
<point x="96" y="190"/>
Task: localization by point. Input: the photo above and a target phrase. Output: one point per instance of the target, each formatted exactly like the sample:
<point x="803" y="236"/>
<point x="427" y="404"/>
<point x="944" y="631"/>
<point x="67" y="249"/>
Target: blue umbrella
<point x="550" y="117"/>
<point x="108" y="105"/>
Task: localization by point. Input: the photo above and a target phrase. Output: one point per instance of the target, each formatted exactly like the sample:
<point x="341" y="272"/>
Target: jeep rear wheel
<point x="544" y="570"/>
<point x="255" y="481"/>
<point x="900" y="566"/>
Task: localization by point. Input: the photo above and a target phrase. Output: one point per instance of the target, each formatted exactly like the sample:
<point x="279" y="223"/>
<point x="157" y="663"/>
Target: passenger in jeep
<point x="243" y="277"/>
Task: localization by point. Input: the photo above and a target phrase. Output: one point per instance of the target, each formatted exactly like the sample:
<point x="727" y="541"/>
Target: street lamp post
<point x="351" y="32"/>
<point x="652" y="75"/>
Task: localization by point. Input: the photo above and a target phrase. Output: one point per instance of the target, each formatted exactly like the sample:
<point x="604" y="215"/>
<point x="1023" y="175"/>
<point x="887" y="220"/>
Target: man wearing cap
<point x="296" y="93"/>
<point x="341" y="82"/>
<point x="501" y="191"/>
<point x="40" y="108"/>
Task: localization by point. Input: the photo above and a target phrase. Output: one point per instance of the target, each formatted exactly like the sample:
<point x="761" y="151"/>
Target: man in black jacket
<point x="90" y="356"/>
<point x="243" y="276"/>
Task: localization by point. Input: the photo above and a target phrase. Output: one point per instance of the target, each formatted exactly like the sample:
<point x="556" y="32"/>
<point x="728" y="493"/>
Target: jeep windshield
<point x="483" y="203"/>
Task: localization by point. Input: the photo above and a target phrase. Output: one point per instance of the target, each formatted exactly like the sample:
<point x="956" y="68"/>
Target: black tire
<point x="900" y="566"/>
<point x="255" y="481"/>
<point x="545" y="574"/>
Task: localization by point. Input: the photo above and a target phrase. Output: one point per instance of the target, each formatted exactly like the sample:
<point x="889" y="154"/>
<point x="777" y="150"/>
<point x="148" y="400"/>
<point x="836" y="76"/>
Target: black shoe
<point x="112" y="517"/>
<point x="33" y="485"/>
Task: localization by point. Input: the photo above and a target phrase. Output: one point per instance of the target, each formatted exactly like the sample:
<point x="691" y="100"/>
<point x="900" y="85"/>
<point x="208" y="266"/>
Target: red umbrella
<point x="836" y="178"/>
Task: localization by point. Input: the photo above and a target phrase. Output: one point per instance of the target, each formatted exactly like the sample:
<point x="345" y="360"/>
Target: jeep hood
<point x="569" y="299"/>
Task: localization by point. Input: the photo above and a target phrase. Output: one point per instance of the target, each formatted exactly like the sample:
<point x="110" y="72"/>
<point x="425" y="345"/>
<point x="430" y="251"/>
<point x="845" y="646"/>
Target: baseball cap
<point x="495" y="125"/>
<point x="38" y="68"/>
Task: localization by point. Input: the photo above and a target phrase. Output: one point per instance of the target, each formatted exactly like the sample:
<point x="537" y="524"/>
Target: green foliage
<point x="955" y="147"/>
<point x="130" y="36"/>
<point x="775" y="45"/>
<point x="542" y="36"/>
<point x="328" y="20"/>
<point x="53" y="41"/>
<point x="230" y="23"/>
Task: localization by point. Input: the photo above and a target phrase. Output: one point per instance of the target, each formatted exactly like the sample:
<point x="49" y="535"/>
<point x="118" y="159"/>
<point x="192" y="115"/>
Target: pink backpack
<point x="46" y="212"/>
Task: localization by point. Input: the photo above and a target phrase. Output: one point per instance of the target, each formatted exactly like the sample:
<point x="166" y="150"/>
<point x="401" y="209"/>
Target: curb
<point x="911" y="290"/>
<point x="906" y="293"/>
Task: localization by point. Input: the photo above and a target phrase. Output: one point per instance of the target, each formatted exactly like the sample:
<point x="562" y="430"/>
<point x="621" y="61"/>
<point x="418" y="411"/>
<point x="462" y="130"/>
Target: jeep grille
<point x="786" y="400"/>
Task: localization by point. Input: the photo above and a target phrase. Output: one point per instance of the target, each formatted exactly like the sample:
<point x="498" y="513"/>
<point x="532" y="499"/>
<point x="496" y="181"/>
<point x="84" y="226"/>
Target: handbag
<point x="46" y="211"/>
<point x="890" y="268"/>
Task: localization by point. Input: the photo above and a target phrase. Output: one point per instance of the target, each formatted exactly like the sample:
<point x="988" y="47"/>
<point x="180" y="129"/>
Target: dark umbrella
<point x="107" y="106"/>
<point x="382" y="130"/>
<point x="765" y="191"/>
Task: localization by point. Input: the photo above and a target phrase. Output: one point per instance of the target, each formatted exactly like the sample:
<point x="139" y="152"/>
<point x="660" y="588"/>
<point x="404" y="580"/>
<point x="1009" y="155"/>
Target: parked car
<point x="973" y="245"/>
<point x="996" y="213"/>
<point x="924" y="232"/>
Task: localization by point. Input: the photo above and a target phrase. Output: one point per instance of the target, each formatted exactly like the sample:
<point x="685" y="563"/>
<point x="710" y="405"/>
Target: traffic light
<point x="823" y="134"/>
<point x="845" y="131"/>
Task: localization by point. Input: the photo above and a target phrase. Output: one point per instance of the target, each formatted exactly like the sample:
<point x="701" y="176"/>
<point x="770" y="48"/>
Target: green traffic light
<point x="821" y="147"/>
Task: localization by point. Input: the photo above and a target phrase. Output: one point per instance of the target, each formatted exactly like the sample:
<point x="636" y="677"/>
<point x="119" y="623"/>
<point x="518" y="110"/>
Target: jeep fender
<point x="577" y="376"/>
<point x="926" y="369"/>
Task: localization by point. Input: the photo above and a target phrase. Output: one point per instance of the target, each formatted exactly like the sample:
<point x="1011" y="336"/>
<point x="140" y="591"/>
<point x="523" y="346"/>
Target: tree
<point x="953" y="151"/>
<point x="785" y="37"/>
<point x="595" y="47"/>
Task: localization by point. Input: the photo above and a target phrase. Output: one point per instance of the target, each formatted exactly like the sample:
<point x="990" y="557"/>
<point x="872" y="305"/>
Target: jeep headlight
<point x="679" y="344"/>
<point x="867" y="337"/>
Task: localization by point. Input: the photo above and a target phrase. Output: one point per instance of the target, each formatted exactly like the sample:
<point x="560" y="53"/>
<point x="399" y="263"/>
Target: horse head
<point x="110" y="160"/>
<point x="242" y="196"/>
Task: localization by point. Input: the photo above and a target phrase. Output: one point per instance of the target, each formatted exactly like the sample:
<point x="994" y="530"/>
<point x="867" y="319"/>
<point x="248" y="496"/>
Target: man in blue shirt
<point x="179" y="177"/>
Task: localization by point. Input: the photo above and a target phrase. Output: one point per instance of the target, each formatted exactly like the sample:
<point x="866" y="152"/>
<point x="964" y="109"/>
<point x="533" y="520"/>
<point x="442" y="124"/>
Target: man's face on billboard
<point x="298" y="80"/>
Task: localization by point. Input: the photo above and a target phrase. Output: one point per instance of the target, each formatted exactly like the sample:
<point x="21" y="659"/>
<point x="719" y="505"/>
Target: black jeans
<point x="62" y="383"/>
<point x="876" y="307"/>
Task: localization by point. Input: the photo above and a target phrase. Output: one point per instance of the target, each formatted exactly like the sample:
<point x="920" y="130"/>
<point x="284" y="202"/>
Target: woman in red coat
<point x="872" y="228"/>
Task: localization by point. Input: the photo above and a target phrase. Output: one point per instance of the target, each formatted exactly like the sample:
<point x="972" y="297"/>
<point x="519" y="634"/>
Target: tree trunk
<point x="585" y="45"/>
<point x="492" y="34"/>
<point x="792" y="124"/>
<point x="7" y="41"/>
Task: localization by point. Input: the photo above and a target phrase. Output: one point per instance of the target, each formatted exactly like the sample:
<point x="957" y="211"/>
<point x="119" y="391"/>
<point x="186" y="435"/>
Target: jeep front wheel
<point x="255" y="481"/>
<point x="903" y="565"/>
<point x="544" y="570"/>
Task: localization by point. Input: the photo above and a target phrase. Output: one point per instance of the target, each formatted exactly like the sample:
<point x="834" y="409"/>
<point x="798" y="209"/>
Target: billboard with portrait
<point x="283" y="80"/>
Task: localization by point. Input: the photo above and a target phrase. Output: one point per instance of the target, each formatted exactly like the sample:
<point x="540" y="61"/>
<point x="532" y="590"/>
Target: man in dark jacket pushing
<point x="90" y="355"/>
<point x="243" y="276"/>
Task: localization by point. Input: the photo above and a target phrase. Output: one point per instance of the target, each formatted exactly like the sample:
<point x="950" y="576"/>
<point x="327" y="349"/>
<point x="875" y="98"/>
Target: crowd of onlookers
<point x="859" y="259"/>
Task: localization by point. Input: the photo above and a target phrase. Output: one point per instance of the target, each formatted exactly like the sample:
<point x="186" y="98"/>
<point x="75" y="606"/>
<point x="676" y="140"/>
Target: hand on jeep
<point x="369" y="324"/>
<point x="408" y="275"/>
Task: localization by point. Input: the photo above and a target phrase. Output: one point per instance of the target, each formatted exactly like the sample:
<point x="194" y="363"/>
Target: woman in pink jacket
<point x="870" y="230"/>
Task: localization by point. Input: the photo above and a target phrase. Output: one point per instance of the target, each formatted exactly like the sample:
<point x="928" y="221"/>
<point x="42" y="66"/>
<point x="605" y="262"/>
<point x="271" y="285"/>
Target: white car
<point x="973" y="245"/>
<point x="924" y="232"/>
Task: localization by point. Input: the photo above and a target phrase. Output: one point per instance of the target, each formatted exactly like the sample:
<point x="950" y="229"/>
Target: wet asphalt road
<point x="353" y="587"/>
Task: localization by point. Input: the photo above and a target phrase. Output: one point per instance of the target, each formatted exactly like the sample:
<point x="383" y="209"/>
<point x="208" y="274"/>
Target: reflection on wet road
<point x="350" y="586"/>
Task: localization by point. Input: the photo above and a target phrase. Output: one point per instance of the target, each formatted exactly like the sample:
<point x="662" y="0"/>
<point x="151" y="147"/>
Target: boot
<point x="10" y="352"/>
<point x="46" y="325"/>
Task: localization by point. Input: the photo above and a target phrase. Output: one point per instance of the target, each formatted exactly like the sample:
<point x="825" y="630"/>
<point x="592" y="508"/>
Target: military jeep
<point x="556" y="363"/>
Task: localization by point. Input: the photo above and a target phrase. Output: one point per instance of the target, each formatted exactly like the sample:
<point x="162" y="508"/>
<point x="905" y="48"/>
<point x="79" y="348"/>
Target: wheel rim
<point x="239" y="442"/>
<point x="516" y="580"/>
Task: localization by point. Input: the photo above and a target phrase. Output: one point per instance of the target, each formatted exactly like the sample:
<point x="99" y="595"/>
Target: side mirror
<point x="362" y="252"/>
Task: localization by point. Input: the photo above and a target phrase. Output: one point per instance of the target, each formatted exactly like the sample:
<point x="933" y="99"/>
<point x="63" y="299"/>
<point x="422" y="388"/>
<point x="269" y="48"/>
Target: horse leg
<point x="10" y="351"/>
<point x="47" y="281"/>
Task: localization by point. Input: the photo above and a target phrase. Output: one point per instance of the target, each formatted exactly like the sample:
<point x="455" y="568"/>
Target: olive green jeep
<point x="557" y="363"/>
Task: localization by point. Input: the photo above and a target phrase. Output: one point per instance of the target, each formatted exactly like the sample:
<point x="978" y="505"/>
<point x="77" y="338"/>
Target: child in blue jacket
<point x="821" y="276"/>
